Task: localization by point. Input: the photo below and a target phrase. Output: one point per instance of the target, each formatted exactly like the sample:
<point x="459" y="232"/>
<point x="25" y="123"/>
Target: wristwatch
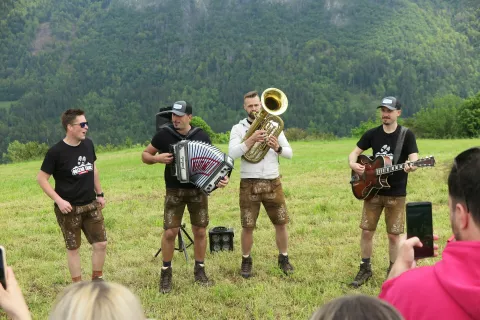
<point x="279" y="150"/>
<point x="100" y="195"/>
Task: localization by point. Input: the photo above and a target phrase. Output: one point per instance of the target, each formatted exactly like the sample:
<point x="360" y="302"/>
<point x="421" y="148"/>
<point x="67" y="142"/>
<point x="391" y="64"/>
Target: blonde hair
<point x="357" y="307"/>
<point x="97" y="300"/>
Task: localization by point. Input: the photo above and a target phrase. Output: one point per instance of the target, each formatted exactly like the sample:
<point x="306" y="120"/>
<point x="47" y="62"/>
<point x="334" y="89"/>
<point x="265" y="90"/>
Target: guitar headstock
<point x="425" y="162"/>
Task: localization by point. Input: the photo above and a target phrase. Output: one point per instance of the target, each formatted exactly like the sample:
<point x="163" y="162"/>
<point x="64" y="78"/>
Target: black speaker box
<point x="221" y="239"/>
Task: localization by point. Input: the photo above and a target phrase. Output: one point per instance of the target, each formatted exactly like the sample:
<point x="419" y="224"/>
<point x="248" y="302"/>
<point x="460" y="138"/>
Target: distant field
<point x="324" y="235"/>
<point x="5" y="104"/>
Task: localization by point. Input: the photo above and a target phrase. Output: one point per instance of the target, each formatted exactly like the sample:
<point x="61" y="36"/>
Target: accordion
<point x="200" y="163"/>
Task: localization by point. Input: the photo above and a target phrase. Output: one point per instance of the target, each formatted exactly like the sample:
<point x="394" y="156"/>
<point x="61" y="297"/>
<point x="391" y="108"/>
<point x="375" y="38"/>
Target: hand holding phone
<point x="3" y="268"/>
<point x="11" y="299"/>
<point x="419" y="224"/>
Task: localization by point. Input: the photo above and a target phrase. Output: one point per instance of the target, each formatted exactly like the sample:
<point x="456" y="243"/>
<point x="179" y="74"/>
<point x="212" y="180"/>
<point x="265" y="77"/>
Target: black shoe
<point x="98" y="279"/>
<point x="200" y="276"/>
<point x="284" y="264"/>
<point x="166" y="280"/>
<point x="246" y="268"/>
<point x="363" y="275"/>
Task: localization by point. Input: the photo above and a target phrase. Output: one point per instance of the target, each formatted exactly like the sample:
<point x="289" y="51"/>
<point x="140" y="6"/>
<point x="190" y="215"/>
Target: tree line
<point x="121" y="61"/>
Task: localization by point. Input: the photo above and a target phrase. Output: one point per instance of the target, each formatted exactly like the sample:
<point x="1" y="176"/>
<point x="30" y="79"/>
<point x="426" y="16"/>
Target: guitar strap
<point x="399" y="146"/>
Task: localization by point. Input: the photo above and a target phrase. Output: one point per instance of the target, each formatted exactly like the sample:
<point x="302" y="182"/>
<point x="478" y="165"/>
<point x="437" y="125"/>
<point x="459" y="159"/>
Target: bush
<point x="469" y="117"/>
<point x="199" y="122"/>
<point x="295" y="134"/>
<point x="223" y="138"/>
<point x="363" y="127"/>
<point x="439" y="120"/>
<point x="18" y="152"/>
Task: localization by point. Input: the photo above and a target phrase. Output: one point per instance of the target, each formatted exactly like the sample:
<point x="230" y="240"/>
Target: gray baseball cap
<point x="391" y="103"/>
<point x="181" y="108"/>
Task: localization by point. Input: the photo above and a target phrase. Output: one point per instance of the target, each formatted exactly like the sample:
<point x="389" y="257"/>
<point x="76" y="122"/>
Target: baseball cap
<point x="181" y="108"/>
<point x="391" y="103"/>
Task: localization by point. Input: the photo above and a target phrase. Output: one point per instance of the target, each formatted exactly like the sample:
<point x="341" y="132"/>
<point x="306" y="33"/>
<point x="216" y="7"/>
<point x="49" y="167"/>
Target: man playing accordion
<point x="178" y="195"/>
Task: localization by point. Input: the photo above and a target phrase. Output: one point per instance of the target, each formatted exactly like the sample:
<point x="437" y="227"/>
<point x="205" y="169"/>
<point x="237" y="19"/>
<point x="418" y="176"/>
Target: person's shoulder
<point x="161" y="132"/>
<point x="408" y="131"/>
<point x="198" y="134"/>
<point x="57" y="147"/>
<point x="373" y="131"/>
<point x="88" y="142"/>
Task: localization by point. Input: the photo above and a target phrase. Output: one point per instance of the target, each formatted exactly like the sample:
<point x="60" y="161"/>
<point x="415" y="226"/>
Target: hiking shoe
<point x="246" y="268"/>
<point x="166" y="280"/>
<point x="200" y="276"/>
<point x="284" y="264"/>
<point x="363" y="275"/>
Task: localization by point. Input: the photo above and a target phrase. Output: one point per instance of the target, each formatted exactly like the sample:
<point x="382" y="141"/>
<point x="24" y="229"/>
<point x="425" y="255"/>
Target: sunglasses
<point x="82" y="124"/>
<point x="461" y="162"/>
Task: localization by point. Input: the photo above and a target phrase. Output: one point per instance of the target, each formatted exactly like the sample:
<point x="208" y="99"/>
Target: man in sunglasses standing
<point x="450" y="289"/>
<point x="78" y="196"/>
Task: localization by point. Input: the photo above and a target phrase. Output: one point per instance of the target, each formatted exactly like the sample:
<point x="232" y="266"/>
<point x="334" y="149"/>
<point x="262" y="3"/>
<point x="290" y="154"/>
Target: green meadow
<point x="323" y="246"/>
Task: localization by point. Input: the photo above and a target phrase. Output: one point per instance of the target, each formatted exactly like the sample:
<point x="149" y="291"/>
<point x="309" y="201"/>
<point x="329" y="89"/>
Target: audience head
<point x="97" y="300"/>
<point x="357" y="307"/>
<point x="463" y="190"/>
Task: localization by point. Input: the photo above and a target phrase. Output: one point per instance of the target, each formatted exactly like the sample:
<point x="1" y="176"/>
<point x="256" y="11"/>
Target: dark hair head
<point x="250" y="94"/>
<point x="69" y="116"/>
<point x="464" y="181"/>
<point x="357" y="307"/>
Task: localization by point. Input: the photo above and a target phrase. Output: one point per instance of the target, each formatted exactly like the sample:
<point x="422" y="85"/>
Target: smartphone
<point x="3" y="268"/>
<point x="419" y="224"/>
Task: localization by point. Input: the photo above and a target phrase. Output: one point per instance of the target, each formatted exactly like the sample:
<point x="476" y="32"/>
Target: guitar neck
<point x="392" y="168"/>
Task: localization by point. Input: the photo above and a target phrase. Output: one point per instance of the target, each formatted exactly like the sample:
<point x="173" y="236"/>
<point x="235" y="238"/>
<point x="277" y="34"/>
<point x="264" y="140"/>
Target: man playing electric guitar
<point x="383" y="141"/>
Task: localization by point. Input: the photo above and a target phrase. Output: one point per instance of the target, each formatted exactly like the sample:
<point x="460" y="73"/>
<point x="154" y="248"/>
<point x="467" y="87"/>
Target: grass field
<point x="324" y="235"/>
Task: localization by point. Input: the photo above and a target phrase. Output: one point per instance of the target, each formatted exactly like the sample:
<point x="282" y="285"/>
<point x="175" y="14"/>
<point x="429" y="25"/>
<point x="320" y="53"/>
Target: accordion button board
<point x="200" y="163"/>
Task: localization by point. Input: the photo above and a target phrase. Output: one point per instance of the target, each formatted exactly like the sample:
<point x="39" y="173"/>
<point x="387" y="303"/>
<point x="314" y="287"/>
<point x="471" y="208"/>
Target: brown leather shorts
<point x="175" y="202"/>
<point x="88" y="218"/>
<point x="394" y="213"/>
<point x="254" y="192"/>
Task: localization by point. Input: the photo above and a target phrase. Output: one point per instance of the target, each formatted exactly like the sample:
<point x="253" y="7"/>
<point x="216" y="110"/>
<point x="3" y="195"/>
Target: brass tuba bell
<point x="274" y="102"/>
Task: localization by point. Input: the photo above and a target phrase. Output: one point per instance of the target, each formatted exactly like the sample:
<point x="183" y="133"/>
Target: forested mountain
<point x="121" y="60"/>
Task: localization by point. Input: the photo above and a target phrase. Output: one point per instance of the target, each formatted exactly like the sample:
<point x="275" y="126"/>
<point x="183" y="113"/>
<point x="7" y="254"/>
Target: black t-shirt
<point x="384" y="144"/>
<point x="72" y="168"/>
<point x="162" y="141"/>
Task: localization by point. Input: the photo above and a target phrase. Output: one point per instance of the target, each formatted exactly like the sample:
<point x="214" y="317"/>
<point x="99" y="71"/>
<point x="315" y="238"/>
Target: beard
<point x="251" y="115"/>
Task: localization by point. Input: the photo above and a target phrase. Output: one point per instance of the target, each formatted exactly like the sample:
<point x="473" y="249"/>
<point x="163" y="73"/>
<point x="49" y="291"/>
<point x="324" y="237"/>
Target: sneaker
<point x="246" y="268"/>
<point x="98" y="279"/>
<point x="166" y="280"/>
<point x="363" y="275"/>
<point x="200" y="276"/>
<point x="284" y="264"/>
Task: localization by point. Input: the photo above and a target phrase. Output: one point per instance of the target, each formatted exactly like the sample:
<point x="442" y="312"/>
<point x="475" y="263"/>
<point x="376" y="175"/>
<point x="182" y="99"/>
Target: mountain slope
<point x="123" y="59"/>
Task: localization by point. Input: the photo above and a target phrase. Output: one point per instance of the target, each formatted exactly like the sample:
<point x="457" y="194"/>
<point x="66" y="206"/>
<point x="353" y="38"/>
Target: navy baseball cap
<point x="391" y="103"/>
<point x="181" y="108"/>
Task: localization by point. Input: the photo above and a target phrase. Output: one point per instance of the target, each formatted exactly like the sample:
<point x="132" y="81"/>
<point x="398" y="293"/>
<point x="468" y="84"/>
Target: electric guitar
<point x="374" y="178"/>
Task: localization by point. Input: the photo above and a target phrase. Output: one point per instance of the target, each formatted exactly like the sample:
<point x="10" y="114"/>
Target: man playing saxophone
<point x="260" y="181"/>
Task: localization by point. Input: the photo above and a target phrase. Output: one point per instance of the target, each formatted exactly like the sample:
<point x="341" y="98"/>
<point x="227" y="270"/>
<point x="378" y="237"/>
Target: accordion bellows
<point x="200" y="163"/>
